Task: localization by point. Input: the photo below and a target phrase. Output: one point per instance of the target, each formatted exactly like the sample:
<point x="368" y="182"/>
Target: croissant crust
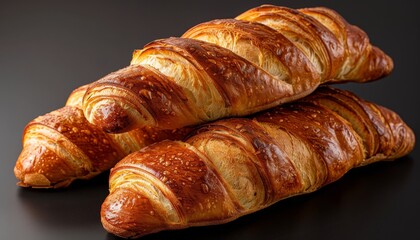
<point x="236" y="166"/>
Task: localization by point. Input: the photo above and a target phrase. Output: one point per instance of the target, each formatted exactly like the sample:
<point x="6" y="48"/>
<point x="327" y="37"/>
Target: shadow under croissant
<point x="77" y="206"/>
<point x="362" y="195"/>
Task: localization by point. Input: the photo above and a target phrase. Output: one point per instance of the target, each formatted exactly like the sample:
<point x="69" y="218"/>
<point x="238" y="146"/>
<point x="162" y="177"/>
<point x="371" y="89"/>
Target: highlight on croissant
<point x="221" y="122"/>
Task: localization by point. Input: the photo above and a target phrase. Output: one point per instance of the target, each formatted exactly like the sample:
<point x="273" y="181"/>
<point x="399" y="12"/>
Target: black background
<point x="48" y="48"/>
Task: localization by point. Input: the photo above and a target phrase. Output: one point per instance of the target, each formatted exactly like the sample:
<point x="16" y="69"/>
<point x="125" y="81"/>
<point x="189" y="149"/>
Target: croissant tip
<point x="130" y="214"/>
<point x="110" y="117"/>
<point x="116" y="230"/>
<point x="26" y="177"/>
<point x="112" y="223"/>
<point x="39" y="167"/>
<point x="382" y="64"/>
<point x="390" y="65"/>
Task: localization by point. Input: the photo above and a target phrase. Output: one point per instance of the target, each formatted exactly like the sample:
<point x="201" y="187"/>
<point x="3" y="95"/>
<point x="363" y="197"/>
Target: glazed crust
<point x="236" y="166"/>
<point x="266" y="56"/>
<point x="63" y="146"/>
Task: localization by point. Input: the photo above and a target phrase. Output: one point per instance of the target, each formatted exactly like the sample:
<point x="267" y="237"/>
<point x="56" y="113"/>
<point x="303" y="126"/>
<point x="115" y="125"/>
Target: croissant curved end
<point x="24" y="172"/>
<point x="29" y="175"/>
<point x="130" y="215"/>
<point x="110" y="117"/>
<point x="380" y="64"/>
<point x="376" y="65"/>
<point x="113" y="114"/>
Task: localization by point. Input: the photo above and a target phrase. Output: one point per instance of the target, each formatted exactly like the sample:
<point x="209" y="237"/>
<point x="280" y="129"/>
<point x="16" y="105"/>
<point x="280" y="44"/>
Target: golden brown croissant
<point x="237" y="166"/>
<point x="233" y="67"/>
<point x="62" y="146"/>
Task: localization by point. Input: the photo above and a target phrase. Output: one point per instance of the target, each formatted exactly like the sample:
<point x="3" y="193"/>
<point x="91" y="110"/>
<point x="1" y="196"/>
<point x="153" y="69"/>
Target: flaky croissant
<point x="237" y="166"/>
<point x="62" y="146"/>
<point x="233" y="67"/>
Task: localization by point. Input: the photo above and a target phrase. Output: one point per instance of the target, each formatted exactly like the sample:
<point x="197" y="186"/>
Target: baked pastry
<point x="267" y="56"/>
<point x="62" y="146"/>
<point x="237" y="166"/>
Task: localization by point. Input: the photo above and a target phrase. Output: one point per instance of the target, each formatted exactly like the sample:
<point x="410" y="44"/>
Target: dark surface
<point x="47" y="49"/>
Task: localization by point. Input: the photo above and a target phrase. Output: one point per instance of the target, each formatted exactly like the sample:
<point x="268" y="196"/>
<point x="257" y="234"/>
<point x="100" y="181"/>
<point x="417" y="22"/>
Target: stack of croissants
<point x="225" y="120"/>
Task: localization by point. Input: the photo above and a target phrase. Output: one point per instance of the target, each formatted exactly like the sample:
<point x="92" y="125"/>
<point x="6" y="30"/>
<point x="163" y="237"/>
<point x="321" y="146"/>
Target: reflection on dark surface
<point x="75" y="207"/>
<point x="323" y="214"/>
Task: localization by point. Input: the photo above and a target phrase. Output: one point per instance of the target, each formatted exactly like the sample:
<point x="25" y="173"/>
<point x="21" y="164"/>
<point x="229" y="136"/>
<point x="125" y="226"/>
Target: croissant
<point x="233" y="67"/>
<point x="237" y="166"/>
<point x="62" y="146"/>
